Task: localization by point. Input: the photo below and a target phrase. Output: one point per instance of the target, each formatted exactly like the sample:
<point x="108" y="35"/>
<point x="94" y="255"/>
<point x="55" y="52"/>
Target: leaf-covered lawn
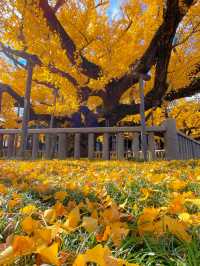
<point x="99" y="213"/>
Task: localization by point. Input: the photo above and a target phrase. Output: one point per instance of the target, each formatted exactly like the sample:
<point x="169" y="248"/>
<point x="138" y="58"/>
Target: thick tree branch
<point x="58" y="5"/>
<point x="155" y="54"/>
<point x="11" y="53"/>
<point x="8" y="51"/>
<point x="194" y="30"/>
<point x="86" y="67"/>
<point x="47" y="84"/>
<point x="5" y="88"/>
<point x="85" y="91"/>
<point x="101" y="3"/>
<point x="122" y="110"/>
<point x="188" y="91"/>
<point x="75" y="120"/>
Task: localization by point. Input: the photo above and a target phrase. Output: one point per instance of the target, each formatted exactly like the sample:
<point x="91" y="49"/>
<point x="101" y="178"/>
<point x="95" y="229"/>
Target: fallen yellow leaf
<point x="101" y="256"/>
<point x="60" y="195"/>
<point x="194" y="201"/>
<point x="7" y="256"/>
<point x="29" y="225"/>
<point x="50" y="215"/>
<point x="90" y="224"/>
<point x="23" y="245"/>
<point x="73" y="219"/>
<point x="49" y="254"/>
<point x="29" y="209"/>
<point x="43" y="235"/>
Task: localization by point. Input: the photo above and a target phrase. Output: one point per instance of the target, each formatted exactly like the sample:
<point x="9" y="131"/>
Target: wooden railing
<point x="117" y="143"/>
<point x="188" y="147"/>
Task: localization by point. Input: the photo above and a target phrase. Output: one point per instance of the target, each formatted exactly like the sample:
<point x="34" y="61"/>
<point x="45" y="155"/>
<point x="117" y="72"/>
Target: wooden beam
<point x="98" y="130"/>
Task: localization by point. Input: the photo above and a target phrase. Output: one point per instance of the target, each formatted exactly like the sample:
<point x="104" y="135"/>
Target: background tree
<point x="93" y="62"/>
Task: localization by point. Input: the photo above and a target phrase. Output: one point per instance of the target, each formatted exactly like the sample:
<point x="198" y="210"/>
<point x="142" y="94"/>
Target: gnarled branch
<point x="86" y="67"/>
<point x="157" y="53"/>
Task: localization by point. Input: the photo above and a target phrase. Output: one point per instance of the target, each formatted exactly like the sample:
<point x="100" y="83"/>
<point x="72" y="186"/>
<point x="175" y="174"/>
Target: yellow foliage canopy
<point x="112" y="44"/>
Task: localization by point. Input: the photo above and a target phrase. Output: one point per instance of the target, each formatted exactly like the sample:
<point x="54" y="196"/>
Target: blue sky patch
<point x="113" y="11"/>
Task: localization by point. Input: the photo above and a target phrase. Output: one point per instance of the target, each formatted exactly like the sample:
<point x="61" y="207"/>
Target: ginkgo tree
<point x="86" y="66"/>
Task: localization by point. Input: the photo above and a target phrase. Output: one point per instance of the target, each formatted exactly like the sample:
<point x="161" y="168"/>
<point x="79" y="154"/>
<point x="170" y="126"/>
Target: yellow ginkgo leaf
<point x="73" y="219"/>
<point x="29" y="209"/>
<point x="196" y="219"/>
<point x="194" y="201"/>
<point x="12" y="203"/>
<point x="94" y="214"/>
<point x="43" y="235"/>
<point x="60" y="209"/>
<point x="177" y="205"/>
<point x="90" y="205"/>
<point x="175" y="227"/>
<point x="146" y="193"/>
<point x="105" y="236"/>
<point x="49" y="254"/>
<point x="23" y="245"/>
<point x="3" y="189"/>
<point x="111" y="214"/>
<point x="101" y="256"/>
<point x="29" y="225"/>
<point x="185" y="217"/>
<point x="118" y="232"/>
<point x="177" y="184"/>
<point x="50" y="215"/>
<point x="97" y="255"/>
<point x="90" y="224"/>
<point x="149" y="215"/>
<point x="60" y="195"/>
<point x="7" y="256"/>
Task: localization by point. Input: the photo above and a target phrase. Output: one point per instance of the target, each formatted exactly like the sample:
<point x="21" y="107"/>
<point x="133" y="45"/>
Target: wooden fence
<point x="116" y="143"/>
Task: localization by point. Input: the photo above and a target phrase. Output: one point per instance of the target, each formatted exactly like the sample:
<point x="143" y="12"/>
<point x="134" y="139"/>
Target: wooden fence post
<point x="152" y="146"/>
<point x="135" y="145"/>
<point x="1" y="145"/>
<point x="53" y="145"/>
<point x="11" y="143"/>
<point x="91" y="146"/>
<point x="77" y="152"/>
<point x="120" y="146"/>
<point x="35" y="146"/>
<point x="106" y="154"/>
<point x="62" y="149"/>
<point x="48" y="146"/>
<point x="26" y="113"/>
<point x="180" y="143"/>
<point x="171" y="140"/>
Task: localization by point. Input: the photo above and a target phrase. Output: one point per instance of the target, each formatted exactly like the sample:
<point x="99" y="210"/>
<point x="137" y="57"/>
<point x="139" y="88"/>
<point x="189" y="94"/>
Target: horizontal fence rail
<point x="104" y="143"/>
<point x="98" y="130"/>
